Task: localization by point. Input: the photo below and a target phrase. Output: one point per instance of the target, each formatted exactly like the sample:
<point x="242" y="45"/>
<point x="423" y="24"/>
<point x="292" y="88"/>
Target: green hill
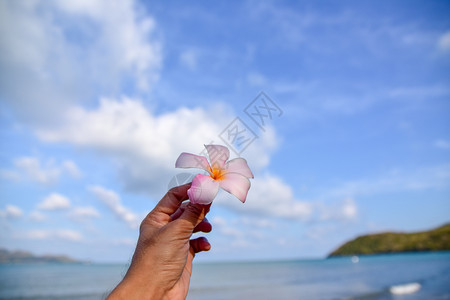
<point x="27" y="257"/>
<point x="392" y="242"/>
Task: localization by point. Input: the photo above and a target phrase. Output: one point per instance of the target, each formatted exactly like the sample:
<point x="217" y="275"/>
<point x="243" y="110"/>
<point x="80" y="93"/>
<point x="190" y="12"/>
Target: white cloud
<point x="396" y="180"/>
<point x="316" y="105"/>
<point x="258" y="222"/>
<point x="349" y="209"/>
<point x="9" y="174"/>
<point x="143" y="146"/>
<point x="234" y="235"/>
<point x="31" y="166"/>
<point x="45" y="43"/>
<point x="221" y="225"/>
<point x="46" y="173"/>
<point x="113" y="202"/>
<point x="54" y="201"/>
<point x="36" y="234"/>
<point x="61" y="234"/>
<point x="64" y="51"/>
<point x="443" y="144"/>
<point x="69" y="235"/>
<point x="189" y="59"/>
<point x="11" y="212"/>
<point x="37" y="216"/>
<point x="269" y="196"/>
<point x="256" y="79"/>
<point x="218" y="221"/>
<point x="444" y="42"/>
<point x="138" y="132"/>
<point x="71" y="168"/>
<point x="343" y="211"/>
<point x="125" y="33"/>
<point x="418" y="92"/>
<point x="321" y="232"/>
<point x="83" y="213"/>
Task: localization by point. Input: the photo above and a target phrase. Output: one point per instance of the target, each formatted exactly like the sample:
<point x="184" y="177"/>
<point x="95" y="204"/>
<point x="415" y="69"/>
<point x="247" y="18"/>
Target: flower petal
<point x="236" y="184"/>
<point x="240" y="166"/>
<point x="218" y="155"/>
<point x="188" y="160"/>
<point x="203" y="189"/>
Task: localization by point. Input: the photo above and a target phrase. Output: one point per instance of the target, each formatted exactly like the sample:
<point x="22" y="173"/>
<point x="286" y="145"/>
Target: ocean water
<point x="400" y="277"/>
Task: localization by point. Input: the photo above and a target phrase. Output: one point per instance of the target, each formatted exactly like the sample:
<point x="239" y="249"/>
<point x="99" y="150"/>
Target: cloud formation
<point x="11" y="212"/>
<point x="443" y="144"/>
<point x="434" y="177"/>
<point x="269" y="196"/>
<point x="54" y="201"/>
<point x="345" y="210"/>
<point x="43" y="46"/>
<point x="84" y="213"/>
<point x="444" y="42"/>
<point x="143" y="146"/>
<point x="32" y="168"/>
<point x="60" y="234"/>
<point x="189" y="59"/>
<point x="37" y="216"/>
<point x="113" y="202"/>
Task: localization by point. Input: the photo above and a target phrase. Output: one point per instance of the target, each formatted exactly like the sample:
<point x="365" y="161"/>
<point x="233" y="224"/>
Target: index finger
<point x="169" y="204"/>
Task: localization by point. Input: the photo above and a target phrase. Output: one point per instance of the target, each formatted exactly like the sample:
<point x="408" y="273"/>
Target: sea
<point x="380" y="277"/>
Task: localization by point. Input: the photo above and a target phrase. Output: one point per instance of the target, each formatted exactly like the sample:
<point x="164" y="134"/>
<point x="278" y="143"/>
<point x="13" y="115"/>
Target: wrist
<point x="134" y="288"/>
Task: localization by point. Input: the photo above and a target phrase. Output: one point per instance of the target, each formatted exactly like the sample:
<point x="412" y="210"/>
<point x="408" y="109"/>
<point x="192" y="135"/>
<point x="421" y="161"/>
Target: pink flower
<point x="232" y="176"/>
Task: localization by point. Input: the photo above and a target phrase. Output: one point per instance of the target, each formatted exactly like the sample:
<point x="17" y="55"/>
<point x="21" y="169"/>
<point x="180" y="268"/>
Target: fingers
<point x="203" y="226"/>
<point x="169" y="204"/>
<point x="200" y="244"/>
<point x="179" y="211"/>
<point x="192" y="215"/>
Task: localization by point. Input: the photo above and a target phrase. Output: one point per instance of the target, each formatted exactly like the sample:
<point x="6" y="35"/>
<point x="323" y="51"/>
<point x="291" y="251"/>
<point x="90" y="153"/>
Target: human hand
<point x="162" y="262"/>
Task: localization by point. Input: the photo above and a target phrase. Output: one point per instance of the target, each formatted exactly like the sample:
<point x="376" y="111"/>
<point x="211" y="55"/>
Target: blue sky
<point x="98" y="99"/>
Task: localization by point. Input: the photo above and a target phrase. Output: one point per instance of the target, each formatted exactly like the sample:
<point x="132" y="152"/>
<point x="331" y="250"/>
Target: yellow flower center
<point x="217" y="173"/>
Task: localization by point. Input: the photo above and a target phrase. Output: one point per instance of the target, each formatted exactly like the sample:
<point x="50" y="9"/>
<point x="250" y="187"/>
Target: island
<point x="437" y="239"/>
<point x="8" y="257"/>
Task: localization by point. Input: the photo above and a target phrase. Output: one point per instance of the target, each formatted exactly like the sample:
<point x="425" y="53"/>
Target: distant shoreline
<point x="19" y="257"/>
<point x="390" y="254"/>
<point x="388" y="243"/>
<point x="236" y="262"/>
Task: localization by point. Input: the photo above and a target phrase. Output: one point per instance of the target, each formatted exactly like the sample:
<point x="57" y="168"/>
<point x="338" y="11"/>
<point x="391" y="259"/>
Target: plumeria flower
<point x="232" y="176"/>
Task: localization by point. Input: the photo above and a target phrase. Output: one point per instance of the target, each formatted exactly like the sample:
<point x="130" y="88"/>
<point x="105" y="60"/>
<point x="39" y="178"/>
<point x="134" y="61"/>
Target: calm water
<point x="417" y="276"/>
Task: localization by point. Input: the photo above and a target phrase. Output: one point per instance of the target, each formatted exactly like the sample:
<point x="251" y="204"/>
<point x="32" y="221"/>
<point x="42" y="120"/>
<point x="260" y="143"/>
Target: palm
<point x="181" y="287"/>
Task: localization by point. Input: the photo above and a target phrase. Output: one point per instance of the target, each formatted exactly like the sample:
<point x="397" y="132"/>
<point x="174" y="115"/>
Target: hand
<point x="162" y="262"/>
